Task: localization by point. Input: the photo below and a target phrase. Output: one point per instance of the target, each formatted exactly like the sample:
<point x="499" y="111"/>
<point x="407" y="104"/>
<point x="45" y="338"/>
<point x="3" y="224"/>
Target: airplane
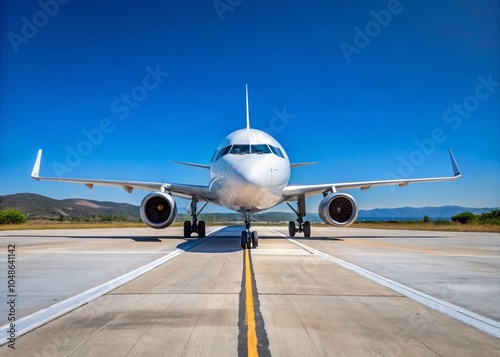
<point x="249" y="173"/>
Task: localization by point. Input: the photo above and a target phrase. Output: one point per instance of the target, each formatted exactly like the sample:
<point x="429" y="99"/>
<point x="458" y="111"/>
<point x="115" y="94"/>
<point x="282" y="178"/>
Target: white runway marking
<point x="41" y="317"/>
<point x="280" y="252"/>
<point x="99" y="252"/>
<point x="470" y="318"/>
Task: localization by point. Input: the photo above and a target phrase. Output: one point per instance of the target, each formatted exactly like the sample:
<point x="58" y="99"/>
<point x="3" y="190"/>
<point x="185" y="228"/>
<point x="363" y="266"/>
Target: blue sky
<point x="369" y="89"/>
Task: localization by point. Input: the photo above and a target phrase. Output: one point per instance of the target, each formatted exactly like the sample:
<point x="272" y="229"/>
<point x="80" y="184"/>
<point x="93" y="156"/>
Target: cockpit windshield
<point x="250" y="149"/>
<point x="243" y="149"/>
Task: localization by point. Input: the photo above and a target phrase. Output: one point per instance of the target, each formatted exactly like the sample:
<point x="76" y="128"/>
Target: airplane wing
<point x="202" y="193"/>
<point x="292" y="193"/>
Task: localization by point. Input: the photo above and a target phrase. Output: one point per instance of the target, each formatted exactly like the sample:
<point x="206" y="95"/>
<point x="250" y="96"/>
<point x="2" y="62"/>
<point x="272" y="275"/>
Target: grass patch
<point x="429" y="226"/>
<point x="404" y="225"/>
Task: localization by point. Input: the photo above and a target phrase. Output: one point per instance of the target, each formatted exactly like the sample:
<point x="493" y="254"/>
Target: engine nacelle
<point x="338" y="209"/>
<point x="158" y="210"/>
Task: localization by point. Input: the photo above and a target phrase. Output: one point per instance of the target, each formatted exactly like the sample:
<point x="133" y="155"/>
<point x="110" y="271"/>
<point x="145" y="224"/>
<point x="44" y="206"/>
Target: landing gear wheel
<point x="243" y="239"/>
<point x="187" y="229"/>
<point x="255" y="239"/>
<point x="201" y="229"/>
<point x="291" y="229"/>
<point x="307" y="229"/>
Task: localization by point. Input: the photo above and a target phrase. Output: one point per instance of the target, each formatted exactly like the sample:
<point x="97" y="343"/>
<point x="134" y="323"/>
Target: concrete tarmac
<point x="195" y="303"/>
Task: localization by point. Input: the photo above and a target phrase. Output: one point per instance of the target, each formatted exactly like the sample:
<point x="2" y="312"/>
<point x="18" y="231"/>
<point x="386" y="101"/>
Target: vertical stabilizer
<point x="248" y="115"/>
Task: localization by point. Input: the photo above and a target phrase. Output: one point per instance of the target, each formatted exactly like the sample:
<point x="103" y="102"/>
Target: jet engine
<point x="338" y="209"/>
<point x="158" y="210"/>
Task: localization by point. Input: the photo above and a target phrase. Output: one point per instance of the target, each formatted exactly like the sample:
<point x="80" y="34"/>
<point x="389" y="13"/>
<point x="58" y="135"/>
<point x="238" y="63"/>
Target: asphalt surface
<point x="288" y="297"/>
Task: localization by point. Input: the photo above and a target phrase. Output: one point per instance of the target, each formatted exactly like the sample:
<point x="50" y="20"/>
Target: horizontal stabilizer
<point x="302" y="164"/>
<point x="191" y="164"/>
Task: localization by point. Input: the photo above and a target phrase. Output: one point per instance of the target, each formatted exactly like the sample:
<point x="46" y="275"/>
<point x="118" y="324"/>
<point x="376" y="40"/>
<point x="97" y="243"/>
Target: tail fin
<point x="248" y="115"/>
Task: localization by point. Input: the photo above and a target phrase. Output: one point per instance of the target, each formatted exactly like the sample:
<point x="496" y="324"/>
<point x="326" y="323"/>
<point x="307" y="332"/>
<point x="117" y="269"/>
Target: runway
<point x="293" y="297"/>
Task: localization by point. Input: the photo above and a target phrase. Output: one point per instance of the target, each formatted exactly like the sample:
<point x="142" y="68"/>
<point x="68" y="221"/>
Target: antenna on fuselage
<point x="248" y="115"/>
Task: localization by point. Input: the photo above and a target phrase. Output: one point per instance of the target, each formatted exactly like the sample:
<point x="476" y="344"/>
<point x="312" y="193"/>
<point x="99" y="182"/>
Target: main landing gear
<point x="249" y="239"/>
<point x="302" y="227"/>
<point x="195" y="226"/>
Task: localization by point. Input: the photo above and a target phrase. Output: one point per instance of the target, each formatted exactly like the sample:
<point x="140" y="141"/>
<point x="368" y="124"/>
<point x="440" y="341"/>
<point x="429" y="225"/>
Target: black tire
<point x="201" y="229"/>
<point x="243" y="239"/>
<point x="291" y="229"/>
<point x="187" y="229"/>
<point x="307" y="229"/>
<point x="255" y="239"/>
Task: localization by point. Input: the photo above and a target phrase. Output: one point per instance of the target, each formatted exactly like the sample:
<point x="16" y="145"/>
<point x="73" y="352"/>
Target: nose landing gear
<point x="249" y="239"/>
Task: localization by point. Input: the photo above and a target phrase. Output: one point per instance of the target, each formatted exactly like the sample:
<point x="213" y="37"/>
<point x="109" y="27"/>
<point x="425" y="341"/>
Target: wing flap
<point x="180" y="190"/>
<point x="293" y="192"/>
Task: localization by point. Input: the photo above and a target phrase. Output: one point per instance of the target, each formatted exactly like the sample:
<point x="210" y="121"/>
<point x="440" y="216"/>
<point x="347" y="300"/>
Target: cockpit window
<point x="215" y="156"/>
<point x="260" y="149"/>
<point x="277" y="151"/>
<point x="240" y="149"/>
<point x="223" y="152"/>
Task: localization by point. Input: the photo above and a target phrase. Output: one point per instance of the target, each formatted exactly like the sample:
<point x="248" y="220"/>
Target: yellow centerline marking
<point x="250" y="313"/>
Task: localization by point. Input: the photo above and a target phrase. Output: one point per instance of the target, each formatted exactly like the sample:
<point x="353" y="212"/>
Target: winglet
<point x="248" y="115"/>
<point x="456" y="170"/>
<point x="36" y="168"/>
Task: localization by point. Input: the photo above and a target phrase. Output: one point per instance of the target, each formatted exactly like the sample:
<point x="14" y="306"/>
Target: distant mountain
<point x="420" y="212"/>
<point x="41" y="207"/>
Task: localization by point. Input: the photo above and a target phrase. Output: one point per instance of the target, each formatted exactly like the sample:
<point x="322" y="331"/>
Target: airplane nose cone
<point x="250" y="184"/>
<point x="259" y="177"/>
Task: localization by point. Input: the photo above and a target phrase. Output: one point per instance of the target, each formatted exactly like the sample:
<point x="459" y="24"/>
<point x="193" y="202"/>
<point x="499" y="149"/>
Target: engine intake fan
<point x="338" y="209"/>
<point x="158" y="210"/>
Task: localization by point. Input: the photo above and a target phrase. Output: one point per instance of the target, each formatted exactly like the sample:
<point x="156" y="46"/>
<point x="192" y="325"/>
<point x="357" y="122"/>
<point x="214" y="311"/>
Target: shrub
<point x="465" y="218"/>
<point x="492" y="217"/>
<point x="11" y="216"/>
<point x="427" y="219"/>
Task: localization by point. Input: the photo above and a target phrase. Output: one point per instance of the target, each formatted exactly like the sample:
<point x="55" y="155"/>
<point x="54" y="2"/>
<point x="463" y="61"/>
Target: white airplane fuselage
<point x="249" y="171"/>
